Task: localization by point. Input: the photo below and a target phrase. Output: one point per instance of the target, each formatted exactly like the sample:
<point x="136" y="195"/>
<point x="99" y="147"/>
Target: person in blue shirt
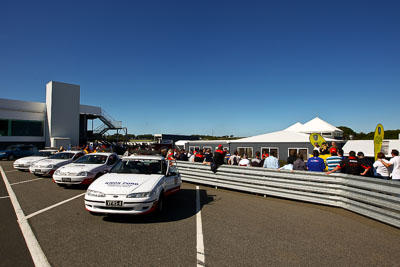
<point x="315" y="164"/>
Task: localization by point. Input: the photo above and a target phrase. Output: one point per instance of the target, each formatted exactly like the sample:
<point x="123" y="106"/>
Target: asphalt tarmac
<point x="238" y="229"/>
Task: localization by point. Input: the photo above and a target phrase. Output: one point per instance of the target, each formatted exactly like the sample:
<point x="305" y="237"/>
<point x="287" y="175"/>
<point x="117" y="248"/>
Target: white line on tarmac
<point x="27" y="181"/>
<point x="11" y="171"/>
<point x="199" y="232"/>
<point x="52" y="206"/>
<point x="5" y="197"/>
<point x="38" y="257"/>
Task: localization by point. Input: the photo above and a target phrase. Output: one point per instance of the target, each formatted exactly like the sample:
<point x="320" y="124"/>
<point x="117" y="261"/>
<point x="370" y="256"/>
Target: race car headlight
<point x="57" y="172"/>
<point x="141" y="195"/>
<point x="84" y="174"/>
<point x="94" y="193"/>
<point x="50" y="166"/>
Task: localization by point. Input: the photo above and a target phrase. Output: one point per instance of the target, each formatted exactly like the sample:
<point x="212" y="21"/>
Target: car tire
<point x="11" y="157"/>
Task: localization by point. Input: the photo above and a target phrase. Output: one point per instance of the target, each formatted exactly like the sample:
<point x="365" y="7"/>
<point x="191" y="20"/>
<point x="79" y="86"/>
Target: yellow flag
<point x="378" y="139"/>
<point x="316" y="138"/>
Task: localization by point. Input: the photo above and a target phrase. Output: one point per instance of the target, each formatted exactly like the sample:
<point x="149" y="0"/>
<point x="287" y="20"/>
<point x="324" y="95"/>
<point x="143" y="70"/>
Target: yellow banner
<point x="378" y="139"/>
<point x="316" y="138"/>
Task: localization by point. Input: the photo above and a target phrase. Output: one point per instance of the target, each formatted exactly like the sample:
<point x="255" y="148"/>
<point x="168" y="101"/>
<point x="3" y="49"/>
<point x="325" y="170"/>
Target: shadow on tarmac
<point x="177" y="207"/>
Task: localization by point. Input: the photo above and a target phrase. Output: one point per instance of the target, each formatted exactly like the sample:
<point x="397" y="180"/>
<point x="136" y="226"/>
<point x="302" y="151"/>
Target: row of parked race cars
<point x="130" y="185"/>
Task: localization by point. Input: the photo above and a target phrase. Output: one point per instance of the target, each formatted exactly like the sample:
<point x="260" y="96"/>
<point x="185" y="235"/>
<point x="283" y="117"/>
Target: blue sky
<point x="210" y="67"/>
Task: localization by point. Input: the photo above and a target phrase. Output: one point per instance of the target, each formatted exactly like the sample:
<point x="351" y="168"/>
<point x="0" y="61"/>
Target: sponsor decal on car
<point x="121" y="184"/>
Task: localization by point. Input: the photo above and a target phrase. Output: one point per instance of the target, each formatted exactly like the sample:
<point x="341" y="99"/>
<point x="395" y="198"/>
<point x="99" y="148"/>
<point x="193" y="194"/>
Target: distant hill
<point x="389" y="134"/>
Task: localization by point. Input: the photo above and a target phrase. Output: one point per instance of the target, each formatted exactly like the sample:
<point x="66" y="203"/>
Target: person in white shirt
<point x="381" y="170"/>
<point x="395" y="163"/>
<point x="244" y="161"/>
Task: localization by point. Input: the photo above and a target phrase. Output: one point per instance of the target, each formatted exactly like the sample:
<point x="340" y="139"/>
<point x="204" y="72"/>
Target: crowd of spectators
<point x="336" y="162"/>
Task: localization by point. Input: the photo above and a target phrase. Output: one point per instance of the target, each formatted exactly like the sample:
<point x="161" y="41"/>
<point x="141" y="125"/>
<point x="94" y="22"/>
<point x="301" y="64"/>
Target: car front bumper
<point x="41" y="171"/>
<point x="98" y="205"/>
<point x="63" y="179"/>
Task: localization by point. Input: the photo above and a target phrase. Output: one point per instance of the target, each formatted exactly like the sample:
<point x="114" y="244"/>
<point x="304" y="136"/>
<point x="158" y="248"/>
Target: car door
<point x="172" y="177"/>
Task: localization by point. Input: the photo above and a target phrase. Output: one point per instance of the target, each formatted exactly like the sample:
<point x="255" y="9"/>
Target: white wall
<point x="63" y="109"/>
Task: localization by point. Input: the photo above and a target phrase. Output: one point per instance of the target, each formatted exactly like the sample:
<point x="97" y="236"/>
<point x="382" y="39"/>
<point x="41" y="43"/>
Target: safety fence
<point x="375" y="198"/>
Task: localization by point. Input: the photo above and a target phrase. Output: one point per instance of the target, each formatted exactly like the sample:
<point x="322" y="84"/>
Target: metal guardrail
<point x="375" y="198"/>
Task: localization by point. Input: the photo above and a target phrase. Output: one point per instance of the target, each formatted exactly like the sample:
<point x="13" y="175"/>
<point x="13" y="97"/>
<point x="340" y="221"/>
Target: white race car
<point x="50" y="165"/>
<point x="85" y="169"/>
<point x="24" y="163"/>
<point x="136" y="185"/>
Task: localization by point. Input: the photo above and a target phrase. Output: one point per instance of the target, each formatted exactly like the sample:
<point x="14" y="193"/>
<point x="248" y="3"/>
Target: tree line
<point x="348" y="132"/>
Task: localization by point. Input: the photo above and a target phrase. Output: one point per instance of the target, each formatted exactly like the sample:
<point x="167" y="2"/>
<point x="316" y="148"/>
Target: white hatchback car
<point x="136" y="185"/>
<point x="50" y="165"/>
<point x="85" y="169"/>
<point x="23" y="164"/>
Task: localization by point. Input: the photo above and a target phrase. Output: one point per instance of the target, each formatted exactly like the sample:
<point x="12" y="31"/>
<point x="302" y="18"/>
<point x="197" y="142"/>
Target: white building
<point x="61" y="121"/>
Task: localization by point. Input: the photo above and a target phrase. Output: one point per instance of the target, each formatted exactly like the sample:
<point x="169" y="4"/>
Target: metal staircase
<point x="109" y="123"/>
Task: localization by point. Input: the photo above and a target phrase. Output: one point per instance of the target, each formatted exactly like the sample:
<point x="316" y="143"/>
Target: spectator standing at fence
<point x="208" y="158"/>
<point x="182" y="156"/>
<point x="333" y="161"/>
<point x="395" y="164"/>
<point x="234" y="159"/>
<point x="170" y="155"/>
<point x="380" y="170"/>
<point x="324" y="150"/>
<point x="299" y="163"/>
<point x="271" y="162"/>
<point x="316" y="146"/>
<point x="349" y="165"/>
<point x="244" y="161"/>
<point x="191" y="159"/>
<point x="292" y="157"/>
<point x="315" y="163"/>
<point x="227" y="156"/>
<point x="256" y="162"/>
<point x="219" y="156"/>
<point x="365" y="165"/>
<point x="199" y="157"/>
<point x="334" y="148"/>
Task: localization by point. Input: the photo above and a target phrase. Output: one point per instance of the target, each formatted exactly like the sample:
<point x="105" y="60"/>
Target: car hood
<point x="76" y="167"/>
<point x="122" y="183"/>
<point x="45" y="162"/>
<point x="29" y="159"/>
<point x="5" y="151"/>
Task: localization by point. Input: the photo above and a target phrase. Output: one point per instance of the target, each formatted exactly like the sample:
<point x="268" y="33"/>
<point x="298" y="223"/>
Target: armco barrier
<point x="375" y="198"/>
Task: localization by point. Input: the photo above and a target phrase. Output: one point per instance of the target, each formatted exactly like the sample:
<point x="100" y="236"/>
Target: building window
<point x="268" y="150"/>
<point x="26" y="128"/>
<point x="3" y="127"/>
<point x="303" y="151"/>
<point x="21" y="128"/>
<point x="247" y="150"/>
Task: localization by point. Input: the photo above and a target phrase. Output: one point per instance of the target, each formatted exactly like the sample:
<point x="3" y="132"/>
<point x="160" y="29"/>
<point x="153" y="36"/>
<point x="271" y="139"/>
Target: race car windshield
<point x="44" y="153"/>
<point x="92" y="159"/>
<point x="138" y="167"/>
<point x="62" y="156"/>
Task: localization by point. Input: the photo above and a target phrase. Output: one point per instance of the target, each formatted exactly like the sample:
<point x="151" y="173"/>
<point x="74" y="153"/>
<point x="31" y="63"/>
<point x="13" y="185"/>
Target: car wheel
<point x="10" y="157"/>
